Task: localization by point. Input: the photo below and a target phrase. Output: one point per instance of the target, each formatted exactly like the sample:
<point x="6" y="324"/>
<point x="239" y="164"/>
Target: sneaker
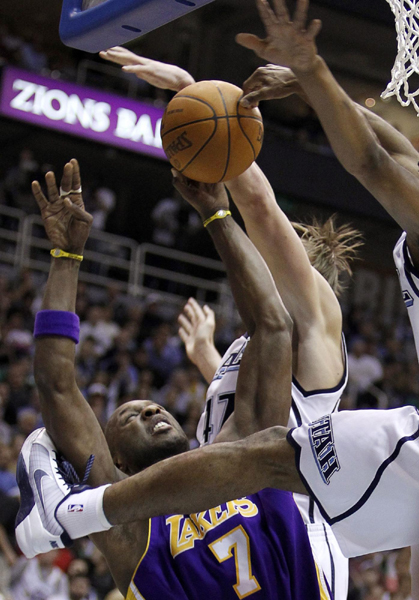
<point x="42" y="488"/>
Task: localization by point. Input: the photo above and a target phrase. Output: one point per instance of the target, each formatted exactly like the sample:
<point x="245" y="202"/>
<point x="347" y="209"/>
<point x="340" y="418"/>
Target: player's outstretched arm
<point x="307" y="296"/>
<point x="205" y="477"/>
<point x="154" y="72"/>
<point x="66" y="414"/>
<point x="264" y="383"/>
<point x="197" y="480"/>
<point x="292" y="44"/>
<point x="196" y="330"/>
<point x="276" y="82"/>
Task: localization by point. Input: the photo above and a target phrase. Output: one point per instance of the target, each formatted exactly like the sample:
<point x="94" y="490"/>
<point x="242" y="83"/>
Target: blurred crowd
<point x="131" y="350"/>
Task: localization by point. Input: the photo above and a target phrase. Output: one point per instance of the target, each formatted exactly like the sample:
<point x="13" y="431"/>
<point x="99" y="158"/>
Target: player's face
<point x="145" y="433"/>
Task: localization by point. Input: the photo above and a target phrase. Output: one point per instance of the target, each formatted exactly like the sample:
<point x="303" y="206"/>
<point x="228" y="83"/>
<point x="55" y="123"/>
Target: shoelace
<point x="68" y="473"/>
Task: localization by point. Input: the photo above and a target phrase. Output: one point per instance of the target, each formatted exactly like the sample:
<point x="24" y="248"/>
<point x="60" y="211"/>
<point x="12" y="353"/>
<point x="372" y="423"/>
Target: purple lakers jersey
<point x="255" y="547"/>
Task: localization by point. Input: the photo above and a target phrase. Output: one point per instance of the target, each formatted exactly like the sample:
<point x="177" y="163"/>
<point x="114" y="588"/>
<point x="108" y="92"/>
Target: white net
<point x="406" y="14"/>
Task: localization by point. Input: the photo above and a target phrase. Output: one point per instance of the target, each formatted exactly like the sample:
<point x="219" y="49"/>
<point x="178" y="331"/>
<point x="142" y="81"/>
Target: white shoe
<point x="42" y="489"/>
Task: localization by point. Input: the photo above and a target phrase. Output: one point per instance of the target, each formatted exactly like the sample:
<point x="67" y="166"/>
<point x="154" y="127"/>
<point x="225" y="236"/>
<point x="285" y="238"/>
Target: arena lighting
<point x="81" y="111"/>
<point x="370" y="102"/>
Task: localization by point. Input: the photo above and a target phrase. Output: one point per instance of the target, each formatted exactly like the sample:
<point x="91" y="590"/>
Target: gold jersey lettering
<point x="185" y="531"/>
<point x="183" y="534"/>
<point x="217" y="515"/>
<point x="246" y="507"/>
<point x="201" y="523"/>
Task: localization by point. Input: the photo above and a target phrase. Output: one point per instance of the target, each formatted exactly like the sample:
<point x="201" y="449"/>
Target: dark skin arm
<point x="67" y="416"/>
<point x="378" y="167"/>
<point x="263" y="391"/>
<point x="202" y="478"/>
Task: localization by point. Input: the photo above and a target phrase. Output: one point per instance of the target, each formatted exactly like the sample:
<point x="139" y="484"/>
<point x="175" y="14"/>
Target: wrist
<point x="184" y="82"/>
<point x="215" y="214"/>
<point x="201" y="350"/>
<point x="68" y="265"/>
<point x="312" y="69"/>
<point x="60" y="253"/>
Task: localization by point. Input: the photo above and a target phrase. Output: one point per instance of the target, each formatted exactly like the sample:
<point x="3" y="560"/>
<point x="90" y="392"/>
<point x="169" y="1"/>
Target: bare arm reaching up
<point x="67" y="416"/>
<point x="196" y="330"/>
<point x="291" y="44"/>
<point x="317" y="361"/>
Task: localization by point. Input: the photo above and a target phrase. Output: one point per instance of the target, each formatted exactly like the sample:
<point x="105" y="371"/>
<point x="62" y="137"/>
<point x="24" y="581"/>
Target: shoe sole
<point x="30" y="532"/>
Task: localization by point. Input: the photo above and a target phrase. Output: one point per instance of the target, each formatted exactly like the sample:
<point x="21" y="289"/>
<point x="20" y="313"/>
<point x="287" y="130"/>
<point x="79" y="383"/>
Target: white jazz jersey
<point x="362" y="468"/>
<point x="409" y="282"/>
<point x="305" y="407"/>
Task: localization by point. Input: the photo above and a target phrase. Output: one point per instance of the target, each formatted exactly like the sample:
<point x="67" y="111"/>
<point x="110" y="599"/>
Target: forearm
<point x="54" y="355"/>
<point x="251" y="282"/>
<point x="204" y="478"/>
<point x="348" y="131"/>
<point x="394" y="142"/>
<point x="61" y="289"/>
<point x="66" y="414"/>
<point x="275" y="238"/>
<point x="207" y="359"/>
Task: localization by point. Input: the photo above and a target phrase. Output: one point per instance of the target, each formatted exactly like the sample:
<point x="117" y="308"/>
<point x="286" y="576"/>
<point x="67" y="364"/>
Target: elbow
<point x="367" y="161"/>
<point x="274" y="318"/>
<point x="55" y="376"/>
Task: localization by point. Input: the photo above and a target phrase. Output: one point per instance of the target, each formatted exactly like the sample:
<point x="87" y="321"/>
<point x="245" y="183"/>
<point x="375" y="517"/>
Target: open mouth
<point x="160" y="426"/>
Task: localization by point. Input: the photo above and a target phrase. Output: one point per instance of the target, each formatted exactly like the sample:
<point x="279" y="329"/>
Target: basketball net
<point x="406" y="14"/>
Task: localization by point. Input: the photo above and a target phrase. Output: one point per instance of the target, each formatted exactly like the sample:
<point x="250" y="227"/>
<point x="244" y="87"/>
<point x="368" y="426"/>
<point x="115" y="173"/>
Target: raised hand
<point x="206" y="198"/>
<point x="271" y="82"/>
<point x="158" y="74"/>
<point x="66" y="221"/>
<point x="287" y="43"/>
<point x="196" y="329"/>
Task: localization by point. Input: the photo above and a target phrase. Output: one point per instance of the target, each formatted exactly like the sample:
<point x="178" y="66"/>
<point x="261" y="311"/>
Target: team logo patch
<point x="323" y="446"/>
<point x="407" y="298"/>
<point x="75" y="508"/>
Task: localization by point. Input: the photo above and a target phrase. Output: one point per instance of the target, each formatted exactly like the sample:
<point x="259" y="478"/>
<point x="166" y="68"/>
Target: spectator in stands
<point x="124" y="379"/>
<point x="37" y="578"/>
<point x="145" y="389"/>
<point x="32" y="54"/>
<point x="163" y="353"/>
<point x="17" y="184"/>
<point x="8" y="483"/>
<point x="364" y="370"/>
<point x="175" y="395"/>
<point x="97" y="396"/>
<point x="150" y="316"/>
<point x="5" y="428"/>
<point x="86" y="361"/>
<point x="27" y="420"/>
<point x="104" y="203"/>
<point x="99" y="326"/>
<point x="16" y="444"/>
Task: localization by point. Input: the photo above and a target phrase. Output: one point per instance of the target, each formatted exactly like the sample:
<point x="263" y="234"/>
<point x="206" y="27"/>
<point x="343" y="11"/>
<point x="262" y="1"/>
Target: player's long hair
<point x="330" y="248"/>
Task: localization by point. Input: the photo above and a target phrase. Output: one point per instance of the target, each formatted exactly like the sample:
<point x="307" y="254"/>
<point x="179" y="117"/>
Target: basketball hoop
<point x="406" y="14"/>
<point x="94" y="25"/>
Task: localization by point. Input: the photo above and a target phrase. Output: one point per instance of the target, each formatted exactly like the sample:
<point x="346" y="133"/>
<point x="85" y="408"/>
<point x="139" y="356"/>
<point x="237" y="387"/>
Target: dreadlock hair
<point x="330" y="248"/>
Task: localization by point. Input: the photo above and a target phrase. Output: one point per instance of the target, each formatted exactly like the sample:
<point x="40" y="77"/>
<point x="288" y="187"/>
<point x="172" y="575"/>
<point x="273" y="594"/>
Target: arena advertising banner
<point x="82" y="111"/>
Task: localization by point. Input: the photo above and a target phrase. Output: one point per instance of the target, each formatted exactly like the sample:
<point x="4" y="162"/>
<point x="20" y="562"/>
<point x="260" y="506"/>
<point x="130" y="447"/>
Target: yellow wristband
<point x="58" y="253"/>
<point x="220" y="214"/>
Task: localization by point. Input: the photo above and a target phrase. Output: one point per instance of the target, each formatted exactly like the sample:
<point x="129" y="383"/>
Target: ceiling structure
<point x="357" y="40"/>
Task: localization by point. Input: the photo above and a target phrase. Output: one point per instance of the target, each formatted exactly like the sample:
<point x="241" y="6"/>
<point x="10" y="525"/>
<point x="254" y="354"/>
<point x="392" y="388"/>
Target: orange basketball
<point x="207" y="135"/>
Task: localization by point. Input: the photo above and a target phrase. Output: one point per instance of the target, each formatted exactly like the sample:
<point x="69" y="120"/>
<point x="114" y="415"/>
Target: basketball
<point x="207" y="135"/>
